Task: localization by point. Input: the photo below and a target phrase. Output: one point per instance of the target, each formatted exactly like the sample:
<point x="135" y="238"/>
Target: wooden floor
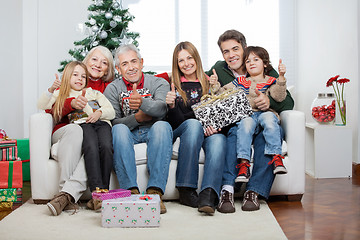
<point x="329" y="209"/>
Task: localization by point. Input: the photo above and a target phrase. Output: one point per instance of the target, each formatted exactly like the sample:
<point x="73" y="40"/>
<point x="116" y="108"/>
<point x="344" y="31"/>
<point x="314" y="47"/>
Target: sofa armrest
<point x="40" y="130"/>
<point x="293" y="123"/>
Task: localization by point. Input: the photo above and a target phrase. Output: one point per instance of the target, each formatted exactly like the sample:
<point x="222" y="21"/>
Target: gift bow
<point x="213" y="98"/>
<point x="98" y="190"/>
<point x="146" y="198"/>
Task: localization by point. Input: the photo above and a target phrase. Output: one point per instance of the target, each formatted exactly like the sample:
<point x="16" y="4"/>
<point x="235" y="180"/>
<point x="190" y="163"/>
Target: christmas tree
<point x="107" y="26"/>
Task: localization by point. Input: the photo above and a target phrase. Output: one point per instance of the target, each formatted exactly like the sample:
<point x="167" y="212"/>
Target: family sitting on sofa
<point x="102" y="118"/>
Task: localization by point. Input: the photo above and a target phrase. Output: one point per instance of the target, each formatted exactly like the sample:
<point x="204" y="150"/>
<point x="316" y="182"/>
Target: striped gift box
<point x="8" y="150"/>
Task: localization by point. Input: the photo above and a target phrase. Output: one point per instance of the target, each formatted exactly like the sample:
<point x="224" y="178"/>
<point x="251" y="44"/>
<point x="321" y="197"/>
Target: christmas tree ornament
<point x="117" y="18"/>
<point x="116" y="5"/>
<point x="108" y="15"/>
<point x="95" y="43"/>
<point x="103" y="35"/>
<point x="99" y="3"/>
<point x="113" y="24"/>
<point x="123" y="39"/>
<point x="95" y="28"/>
<point x="92" y="21"/>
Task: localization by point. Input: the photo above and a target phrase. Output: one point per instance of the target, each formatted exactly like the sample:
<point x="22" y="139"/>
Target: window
<point x="162" y="24"/>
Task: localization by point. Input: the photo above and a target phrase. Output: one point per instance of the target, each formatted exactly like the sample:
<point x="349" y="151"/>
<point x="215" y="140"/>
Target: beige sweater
<point x="47" y="100"/>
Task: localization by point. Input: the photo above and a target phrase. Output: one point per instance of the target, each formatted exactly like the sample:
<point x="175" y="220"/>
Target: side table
<point x="328" y="151"/>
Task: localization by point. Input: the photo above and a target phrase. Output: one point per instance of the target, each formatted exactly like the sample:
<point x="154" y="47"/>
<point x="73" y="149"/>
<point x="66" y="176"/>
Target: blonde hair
<point x="176" y="72"/>
<point x="108" y="55"/>
<point x="65" y="88"/>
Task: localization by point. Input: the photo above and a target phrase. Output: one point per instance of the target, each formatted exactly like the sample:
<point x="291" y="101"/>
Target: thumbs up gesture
<point x="282" y="68"/>
<point x="56" y="84"/>
<point x="171" y="96"/>
<point x="213" y="78"/>
<point x="79" y="102"/>
<point x="135" y="100"/>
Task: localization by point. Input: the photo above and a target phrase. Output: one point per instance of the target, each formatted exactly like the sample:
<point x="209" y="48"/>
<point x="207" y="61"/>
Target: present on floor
<point x="24" y="156"/>
<point x="6" y="206"/>
<point x="11" y="174"/>
<point x="134" y="211"/>
<point x="8" y="195"/>
<point x="222" y="110"/>
<point x="104" y="194"/>
<point x="8" y="150"/>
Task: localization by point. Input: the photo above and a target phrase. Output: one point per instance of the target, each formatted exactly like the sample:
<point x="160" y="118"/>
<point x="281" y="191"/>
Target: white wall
<point x="328" y="44"/>
<point x="11" y="88"/>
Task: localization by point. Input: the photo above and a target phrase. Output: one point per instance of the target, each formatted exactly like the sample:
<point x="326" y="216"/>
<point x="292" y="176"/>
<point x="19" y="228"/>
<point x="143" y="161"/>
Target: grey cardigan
<point x="155" y="106"/>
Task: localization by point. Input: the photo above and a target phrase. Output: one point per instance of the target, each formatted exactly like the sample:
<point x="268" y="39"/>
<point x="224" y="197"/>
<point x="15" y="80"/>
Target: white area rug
<point x="32" y="221"/>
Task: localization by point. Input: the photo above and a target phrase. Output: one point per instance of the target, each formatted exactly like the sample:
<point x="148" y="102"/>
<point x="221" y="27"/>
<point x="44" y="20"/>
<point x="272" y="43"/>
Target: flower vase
<point x="340" y="112"/>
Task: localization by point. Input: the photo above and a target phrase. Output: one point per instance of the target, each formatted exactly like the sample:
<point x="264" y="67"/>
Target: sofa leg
<point x="41" y="201"/>
<point x="295" y="197"/>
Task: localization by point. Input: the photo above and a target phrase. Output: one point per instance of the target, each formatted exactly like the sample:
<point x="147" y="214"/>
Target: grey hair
<point x="108" y="55"/>
<point x="125" y="48"/>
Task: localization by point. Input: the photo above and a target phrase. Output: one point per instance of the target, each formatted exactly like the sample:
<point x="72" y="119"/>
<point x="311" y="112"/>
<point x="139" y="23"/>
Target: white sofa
<point x="45" y="170"/>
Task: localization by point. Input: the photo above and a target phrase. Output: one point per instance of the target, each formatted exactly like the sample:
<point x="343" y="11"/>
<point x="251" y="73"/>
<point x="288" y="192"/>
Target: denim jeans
<point x="262" y="176"/>
<point x="158" y="138"/>
<point x="215" y="151"/>
<point x="191" y="139"/>
<point x="250" y="126"/>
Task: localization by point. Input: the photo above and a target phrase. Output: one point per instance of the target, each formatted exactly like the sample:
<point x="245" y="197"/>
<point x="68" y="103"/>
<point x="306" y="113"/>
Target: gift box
<point x="24" y="155"/>
<point x="134" y="211"/>
<point x="6" y="206"/>
<point x="8" y="150"/>
<point x="11" y="174"/>
<point x="101" y="194"/>
<point x="8" y="195"/>
<point x="222" y="110"/>
<point x="125" y="97"/>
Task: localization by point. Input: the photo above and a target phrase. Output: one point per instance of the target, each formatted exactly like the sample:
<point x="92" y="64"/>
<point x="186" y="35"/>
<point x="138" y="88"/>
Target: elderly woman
<point x="98" y="153"/>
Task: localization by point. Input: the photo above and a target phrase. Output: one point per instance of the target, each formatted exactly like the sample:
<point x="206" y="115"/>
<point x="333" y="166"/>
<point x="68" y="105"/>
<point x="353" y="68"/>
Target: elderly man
<point x="139" y="103"/>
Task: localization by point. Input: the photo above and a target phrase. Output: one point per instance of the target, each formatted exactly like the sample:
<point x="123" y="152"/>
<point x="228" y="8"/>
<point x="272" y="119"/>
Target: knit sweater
<point x="47" y="100"/>
<point x="182" y="111"/>
<point x="154" y="106"/>
<point x="99" y="84"/>
<point x="226" y="76"/>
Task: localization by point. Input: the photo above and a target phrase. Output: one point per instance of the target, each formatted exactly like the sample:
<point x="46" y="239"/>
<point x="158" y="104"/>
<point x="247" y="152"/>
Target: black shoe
<point x="208" y="200"/>
<point x="188" y="196"/>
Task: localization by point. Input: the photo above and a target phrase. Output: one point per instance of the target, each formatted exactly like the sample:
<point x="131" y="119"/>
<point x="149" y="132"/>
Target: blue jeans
<point x="158" y="138"/>
<point x="250" y="126"/>
<point x="191" y="139"/>
<point x="215" y="151"/>
<point x="262" y="176"/>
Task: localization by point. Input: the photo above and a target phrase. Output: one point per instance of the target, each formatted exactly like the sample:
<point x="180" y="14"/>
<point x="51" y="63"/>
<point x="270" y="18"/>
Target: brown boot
<point x="59" y="202"/>
<point x="154" y="190"/>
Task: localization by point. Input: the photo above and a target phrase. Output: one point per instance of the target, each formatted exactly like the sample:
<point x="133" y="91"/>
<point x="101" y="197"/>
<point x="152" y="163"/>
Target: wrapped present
<point x="6" y="206"/>
<point x="8" y="150"/>
<point x="222" y="110"/>
<point x="11" y="174"/>
<point x="125" y="97"/>
<point x="134" y="211"/>
<point x="24" y="155"/>
<point x="8" y="195"/>
<point x="104" y="194"/>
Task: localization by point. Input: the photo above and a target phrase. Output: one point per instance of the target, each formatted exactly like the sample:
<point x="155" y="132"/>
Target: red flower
<point x="343" y="80"/>
<point x="331" y="80"/>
